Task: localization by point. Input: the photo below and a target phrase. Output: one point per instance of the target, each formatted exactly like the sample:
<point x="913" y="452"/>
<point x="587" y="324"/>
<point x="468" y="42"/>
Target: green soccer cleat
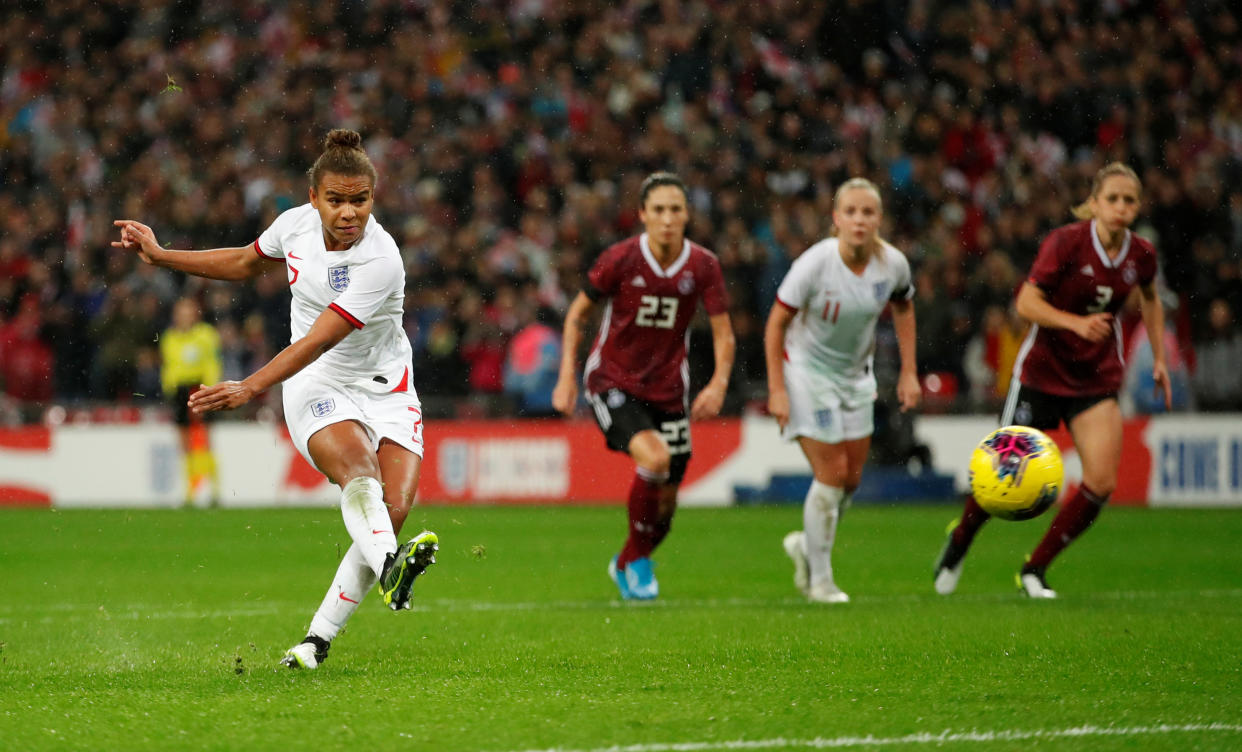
<point x="404" y="566"/>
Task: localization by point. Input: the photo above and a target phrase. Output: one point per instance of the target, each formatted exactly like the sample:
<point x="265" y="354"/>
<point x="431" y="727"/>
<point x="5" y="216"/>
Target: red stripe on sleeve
<point x="346" y="315"/>
<point x="259" y="251"/>
<point x="792" y="308"/>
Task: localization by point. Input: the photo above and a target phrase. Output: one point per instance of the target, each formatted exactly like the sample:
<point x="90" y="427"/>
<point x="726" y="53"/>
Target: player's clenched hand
<point x="908" y="391"/>
<point x="223" y="396"/>
<point x="565" y="396"/>
<point x="135" y="236"/>
<point x="778" y="407"/>
<point x="1094" y="327"/>
<point x="708" y="402"/>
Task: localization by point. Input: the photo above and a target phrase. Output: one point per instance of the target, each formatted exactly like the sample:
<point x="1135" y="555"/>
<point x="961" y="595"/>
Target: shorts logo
<point x="338" y="277"/>
<point x="616" y="398"/>
<point x="823" y="418"/>
<point x="323" y="407"/>
<point x="685" y="284"/>
<point x="1022" y="415"/>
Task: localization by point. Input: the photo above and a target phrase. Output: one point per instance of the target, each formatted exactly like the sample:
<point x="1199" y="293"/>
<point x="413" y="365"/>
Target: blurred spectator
<point x="506" y="135"/>
<point x="1218" y="365"/>
<point x="25" y="359"/>
<point x="532" y="364"/>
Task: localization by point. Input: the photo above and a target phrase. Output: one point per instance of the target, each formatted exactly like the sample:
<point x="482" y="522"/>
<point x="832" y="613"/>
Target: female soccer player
<point x="349" y="404"/>
<point x="819" y="343"/>
<point x="1070" y="365"/>
<point x="636" y="377"/>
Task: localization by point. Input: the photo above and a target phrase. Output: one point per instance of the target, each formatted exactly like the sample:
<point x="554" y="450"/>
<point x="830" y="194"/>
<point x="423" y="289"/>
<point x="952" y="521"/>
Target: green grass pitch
<point x="155" y="630"/>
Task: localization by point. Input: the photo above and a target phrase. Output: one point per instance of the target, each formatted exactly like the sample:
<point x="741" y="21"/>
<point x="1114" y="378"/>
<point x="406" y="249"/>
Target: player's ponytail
<point x="859" y="183"/>
<point x="342" y="155"/>
<point x="1083" y="210"/>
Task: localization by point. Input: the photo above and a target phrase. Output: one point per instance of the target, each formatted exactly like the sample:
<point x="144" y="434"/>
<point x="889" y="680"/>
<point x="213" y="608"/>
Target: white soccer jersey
<point x="833" y="334"/>
<point x="364" y="284"/>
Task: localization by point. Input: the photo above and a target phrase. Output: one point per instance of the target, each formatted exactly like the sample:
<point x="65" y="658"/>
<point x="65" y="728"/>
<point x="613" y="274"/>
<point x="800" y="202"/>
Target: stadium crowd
<point x="511" y="138"/>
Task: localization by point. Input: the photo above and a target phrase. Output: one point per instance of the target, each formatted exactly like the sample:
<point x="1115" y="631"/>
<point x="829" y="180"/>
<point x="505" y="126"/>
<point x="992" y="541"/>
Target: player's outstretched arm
<point x="774" y="355"/>
<point x="329" y="329"/>
<point x="1152" y="309"/>
<point x="1033" y="306"/>
<point x="711" y="398"/>
<point x="565" y="394"/>
<point x="221" y="263"/>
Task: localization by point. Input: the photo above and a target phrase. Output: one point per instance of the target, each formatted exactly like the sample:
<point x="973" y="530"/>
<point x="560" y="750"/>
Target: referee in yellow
<point x="190" y="356"/>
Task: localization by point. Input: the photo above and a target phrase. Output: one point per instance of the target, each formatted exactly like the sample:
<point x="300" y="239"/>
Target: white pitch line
<point x="55" y="613"/>
<point x="943" y="737"/>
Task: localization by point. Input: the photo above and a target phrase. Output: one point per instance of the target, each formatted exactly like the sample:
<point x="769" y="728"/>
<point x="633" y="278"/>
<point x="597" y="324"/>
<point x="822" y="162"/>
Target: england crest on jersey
<point x="881" y="291"/>
<point x="338" y="277"/>
<point x="323" y="407"/>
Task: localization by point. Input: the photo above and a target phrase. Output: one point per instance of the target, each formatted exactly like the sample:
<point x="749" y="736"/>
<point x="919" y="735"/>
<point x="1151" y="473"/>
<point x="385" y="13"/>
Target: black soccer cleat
<point x="404" y="566"/>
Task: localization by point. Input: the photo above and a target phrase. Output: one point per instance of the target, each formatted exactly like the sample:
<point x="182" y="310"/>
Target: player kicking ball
<point x="636" y="376"/>
<point x="350" y="407"/>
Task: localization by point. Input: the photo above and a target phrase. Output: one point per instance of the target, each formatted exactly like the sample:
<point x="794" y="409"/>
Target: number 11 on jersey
<point x="834" y="306"/>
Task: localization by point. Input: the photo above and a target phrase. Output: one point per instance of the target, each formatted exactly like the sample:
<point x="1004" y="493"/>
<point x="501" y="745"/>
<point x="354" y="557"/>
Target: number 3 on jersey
<point x="1103" y="294"/>
<point x="656" y="311"/>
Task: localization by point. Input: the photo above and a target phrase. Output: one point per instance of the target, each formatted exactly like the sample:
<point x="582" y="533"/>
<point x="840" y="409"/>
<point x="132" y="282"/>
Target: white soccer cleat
<point x="305" y="654"/>
<point x="829" y="593"/>
<point x="946" y="579"/>
<point x="949" y="564"/>
<point x="795" y="547"/>
<point x="1034" y="586"/>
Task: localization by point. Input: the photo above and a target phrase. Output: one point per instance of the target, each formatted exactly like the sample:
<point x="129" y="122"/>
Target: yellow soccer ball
<point x="1016" y="473"/>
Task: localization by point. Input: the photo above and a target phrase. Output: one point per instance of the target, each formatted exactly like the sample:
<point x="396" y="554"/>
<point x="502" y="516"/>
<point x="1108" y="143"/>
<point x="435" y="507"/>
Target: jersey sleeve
<point x="903" y="285"/>
<point x="715" y="296"/>
<point x="370" y="284"/>
<point x="601" y="281"/>
<point x="796" y="290"/>
<point x="1046" y="271"/>
<point x="1147" y="266"/>
<point x="270" y="244"/>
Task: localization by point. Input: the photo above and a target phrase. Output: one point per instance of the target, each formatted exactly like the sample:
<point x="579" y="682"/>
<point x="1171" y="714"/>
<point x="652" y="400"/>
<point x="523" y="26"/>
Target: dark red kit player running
<point x="1069" y="369"/>
<point x="636" y="377"/>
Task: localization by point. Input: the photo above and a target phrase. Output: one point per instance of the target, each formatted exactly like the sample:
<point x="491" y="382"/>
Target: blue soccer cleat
<point x="618" y="577"/>
<point x="641" y="579"/>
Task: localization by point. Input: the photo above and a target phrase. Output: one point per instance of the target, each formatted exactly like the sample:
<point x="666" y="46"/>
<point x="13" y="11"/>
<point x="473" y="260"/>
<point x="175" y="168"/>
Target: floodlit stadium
<point x="167" y="522"/>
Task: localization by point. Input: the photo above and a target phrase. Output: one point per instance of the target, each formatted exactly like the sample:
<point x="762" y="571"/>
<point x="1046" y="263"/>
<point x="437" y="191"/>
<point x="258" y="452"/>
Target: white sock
<point x="819" y="522"/>
<point x="366" y="519"/>
<point x="353" y="579"/>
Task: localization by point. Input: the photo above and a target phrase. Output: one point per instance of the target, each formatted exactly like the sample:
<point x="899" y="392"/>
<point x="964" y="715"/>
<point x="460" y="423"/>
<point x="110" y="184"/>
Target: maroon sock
<point x="644" y="510"/>
<point x="1075" y="516"/>
<point x="661" y="528"/>
<point x="972" y="519"/>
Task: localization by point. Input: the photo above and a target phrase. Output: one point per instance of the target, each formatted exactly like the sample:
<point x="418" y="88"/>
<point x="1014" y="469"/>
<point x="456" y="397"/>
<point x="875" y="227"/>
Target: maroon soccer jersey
<point x="641" y="345"/>
<point x="1077" y="276"/>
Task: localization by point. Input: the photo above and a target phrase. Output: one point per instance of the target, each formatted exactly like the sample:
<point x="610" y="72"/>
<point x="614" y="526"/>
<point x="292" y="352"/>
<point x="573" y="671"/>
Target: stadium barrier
<point x="1179" y="460"/>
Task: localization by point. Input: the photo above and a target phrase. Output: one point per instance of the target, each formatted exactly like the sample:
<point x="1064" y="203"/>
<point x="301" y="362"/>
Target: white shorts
<point x="818" y="409"/>
<point x="313" y="401"/>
